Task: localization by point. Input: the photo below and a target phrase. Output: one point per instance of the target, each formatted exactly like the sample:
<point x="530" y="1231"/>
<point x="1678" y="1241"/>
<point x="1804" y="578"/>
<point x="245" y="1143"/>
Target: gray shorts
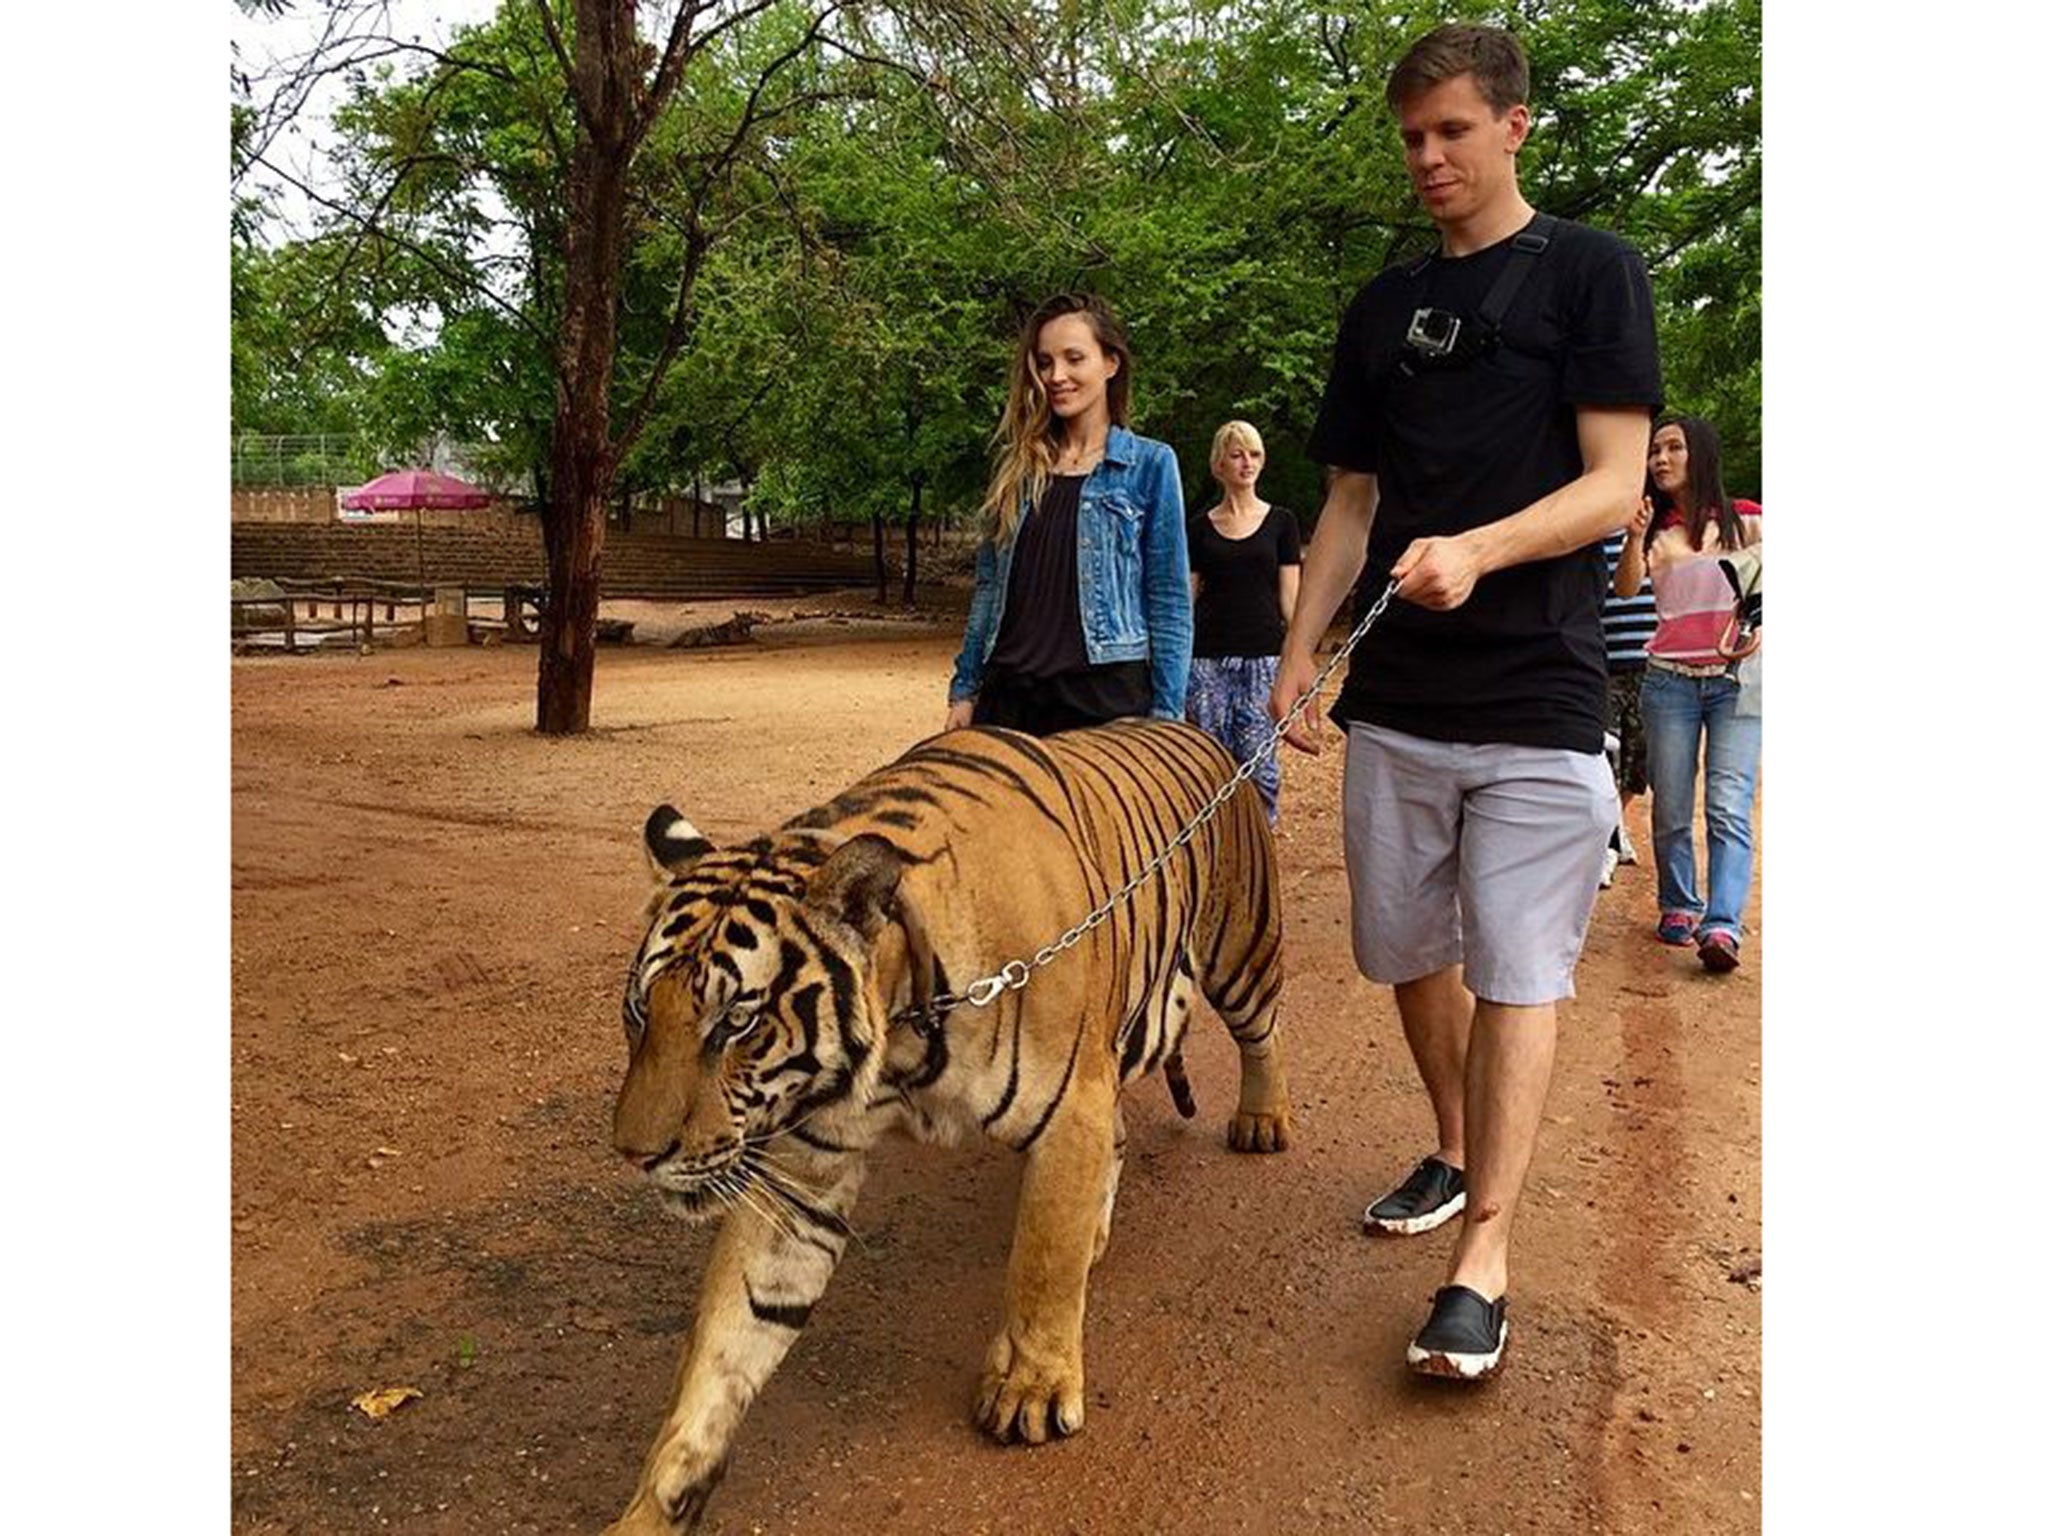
<point x="1485" y="855"/>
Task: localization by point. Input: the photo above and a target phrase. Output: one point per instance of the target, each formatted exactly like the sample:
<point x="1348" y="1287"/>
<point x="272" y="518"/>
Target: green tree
<point x="1228" y="174"/>
<point x="556" y="165"/>
<point x="830" y="226"/>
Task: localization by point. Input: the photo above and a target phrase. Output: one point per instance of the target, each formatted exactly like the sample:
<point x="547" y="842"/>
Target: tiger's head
<point x="759" y="999"/>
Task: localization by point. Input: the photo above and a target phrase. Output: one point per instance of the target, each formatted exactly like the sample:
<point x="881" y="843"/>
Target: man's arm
<point x="1335" y="557"/>
<point x="1613" y="444"/>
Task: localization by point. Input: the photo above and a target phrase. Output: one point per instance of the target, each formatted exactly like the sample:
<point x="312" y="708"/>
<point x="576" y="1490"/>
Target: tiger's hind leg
<point x="1237" y="949"/>
<point x="1116" y="1173"/>
<point x="1249" y="1005"/>
<point x="1264" y="1122"/>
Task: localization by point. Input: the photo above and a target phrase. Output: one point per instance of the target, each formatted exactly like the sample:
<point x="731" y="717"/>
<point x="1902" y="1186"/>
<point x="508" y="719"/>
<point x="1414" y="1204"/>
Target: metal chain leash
<point x="1017" y="973"/>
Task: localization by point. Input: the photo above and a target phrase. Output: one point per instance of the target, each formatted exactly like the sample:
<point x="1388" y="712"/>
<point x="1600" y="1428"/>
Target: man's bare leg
<point x="1436" y="1016"/>
<point x="1507" y="1079"/>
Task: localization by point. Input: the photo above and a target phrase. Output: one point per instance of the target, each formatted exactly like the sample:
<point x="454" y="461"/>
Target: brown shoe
<point x="1718" y="951"/>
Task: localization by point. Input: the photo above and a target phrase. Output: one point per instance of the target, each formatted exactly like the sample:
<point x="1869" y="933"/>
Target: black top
<point x="1041" y="629"/>
<point x="1238" y="612"/>
<point x="1522" y="660"/>
<point x="1040" y="661"/>
<point x="1115" y="690"/>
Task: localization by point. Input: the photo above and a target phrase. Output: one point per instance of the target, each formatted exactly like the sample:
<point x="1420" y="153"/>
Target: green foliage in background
<point x="1225" y="171"/>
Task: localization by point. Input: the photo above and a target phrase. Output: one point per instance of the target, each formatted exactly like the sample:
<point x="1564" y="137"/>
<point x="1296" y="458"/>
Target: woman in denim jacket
<point x="1082" y="611"/>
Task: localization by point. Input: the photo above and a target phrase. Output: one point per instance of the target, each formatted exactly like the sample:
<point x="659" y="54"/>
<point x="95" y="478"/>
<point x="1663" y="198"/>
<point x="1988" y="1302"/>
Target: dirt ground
<point x="433" y="909"/>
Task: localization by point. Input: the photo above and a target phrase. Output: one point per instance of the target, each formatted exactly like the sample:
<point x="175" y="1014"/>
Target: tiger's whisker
<point x="722" y="1187"/>
<point x="769" y="1185"/>
<point x="776" y="1220"/>
<point x="760" y="1141"/>
<point x="796" y="1175"/>
<point x="798" y="1178"/>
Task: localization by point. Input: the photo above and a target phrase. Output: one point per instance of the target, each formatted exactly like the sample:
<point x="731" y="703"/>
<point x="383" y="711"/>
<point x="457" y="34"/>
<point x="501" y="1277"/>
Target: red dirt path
<point x="433" y="909"/>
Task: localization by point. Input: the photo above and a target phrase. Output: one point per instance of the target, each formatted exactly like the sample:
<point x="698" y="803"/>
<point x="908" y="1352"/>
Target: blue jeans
<point x="1675" y="711"/>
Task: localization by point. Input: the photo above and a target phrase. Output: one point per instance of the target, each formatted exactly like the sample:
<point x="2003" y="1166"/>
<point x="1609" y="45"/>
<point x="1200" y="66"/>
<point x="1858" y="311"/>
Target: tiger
<point x="794" y="999"/>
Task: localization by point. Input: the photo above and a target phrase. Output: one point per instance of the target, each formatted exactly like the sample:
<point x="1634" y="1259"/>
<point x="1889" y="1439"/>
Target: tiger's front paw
<point x="1261" y="1133"/>
<point x="1027" y="1395"/>
<point x="644" y="1517"/>
<point x="650" y="1514"/>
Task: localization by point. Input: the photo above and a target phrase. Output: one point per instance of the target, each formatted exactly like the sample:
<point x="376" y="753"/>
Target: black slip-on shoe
<point x="1427" y="1198"/>
<point x="1463" y="1338"/>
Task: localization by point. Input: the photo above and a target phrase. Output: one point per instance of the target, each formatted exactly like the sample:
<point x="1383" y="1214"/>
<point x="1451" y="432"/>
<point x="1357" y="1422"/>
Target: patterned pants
<point x="1625" y="720"/>
<point x="1227" y="698"/>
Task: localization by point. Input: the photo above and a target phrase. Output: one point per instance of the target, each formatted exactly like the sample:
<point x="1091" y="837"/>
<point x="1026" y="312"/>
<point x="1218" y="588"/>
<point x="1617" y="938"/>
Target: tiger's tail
<point x="1177" y="1081"/>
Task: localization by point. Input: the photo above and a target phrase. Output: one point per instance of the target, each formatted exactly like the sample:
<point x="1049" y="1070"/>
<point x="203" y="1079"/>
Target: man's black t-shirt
<point x="1238" y="613"/>
<point x="1522" y="660"/>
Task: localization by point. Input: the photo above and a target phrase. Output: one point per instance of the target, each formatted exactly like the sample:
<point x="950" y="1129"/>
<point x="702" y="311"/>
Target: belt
<point x="1689" y="669"/>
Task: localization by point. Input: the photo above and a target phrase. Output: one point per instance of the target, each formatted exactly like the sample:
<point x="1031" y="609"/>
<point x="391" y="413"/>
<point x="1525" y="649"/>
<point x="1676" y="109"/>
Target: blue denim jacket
<point x="1132" y="552"/>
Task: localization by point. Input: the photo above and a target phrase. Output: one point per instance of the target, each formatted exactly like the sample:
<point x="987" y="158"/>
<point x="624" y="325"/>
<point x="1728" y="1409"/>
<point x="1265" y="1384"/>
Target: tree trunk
<point x="581" y="459"/>
<point x="910" y="542"/>
<point x="573" y="530"/>
<point x="881" y="559"/>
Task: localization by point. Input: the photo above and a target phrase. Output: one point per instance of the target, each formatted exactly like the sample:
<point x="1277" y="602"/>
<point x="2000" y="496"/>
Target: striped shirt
<point x="1695" y="602"/>
<point x="1628" y="622"/>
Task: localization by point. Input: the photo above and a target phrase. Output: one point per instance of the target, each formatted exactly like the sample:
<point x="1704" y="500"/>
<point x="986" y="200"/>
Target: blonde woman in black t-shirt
<point x="1245" y="557"/>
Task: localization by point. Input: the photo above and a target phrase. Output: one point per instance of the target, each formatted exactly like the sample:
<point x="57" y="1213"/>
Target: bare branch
<point x="745" y="13"/>
<point x="370" y="222"/>
<point x="556" y="46"/>
<point x="670" y="70"/>
<point x="339" y="52"/>
<point x="681" y="324"/>
<point x="698" y="239"/>
<point x="299" y="88"/>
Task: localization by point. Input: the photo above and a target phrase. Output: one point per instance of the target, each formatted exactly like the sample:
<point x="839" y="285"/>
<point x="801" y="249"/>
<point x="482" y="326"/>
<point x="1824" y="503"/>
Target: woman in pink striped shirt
<point x="1691" y="687"/>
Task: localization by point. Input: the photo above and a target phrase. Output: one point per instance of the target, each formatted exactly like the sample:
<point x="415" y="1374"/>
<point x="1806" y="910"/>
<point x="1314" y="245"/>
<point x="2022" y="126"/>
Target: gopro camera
<point x="1433" y="333"/>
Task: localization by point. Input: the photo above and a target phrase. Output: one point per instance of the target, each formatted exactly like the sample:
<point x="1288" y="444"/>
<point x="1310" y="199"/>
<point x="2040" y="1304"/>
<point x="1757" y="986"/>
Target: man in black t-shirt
<point x="1485" y="424"/>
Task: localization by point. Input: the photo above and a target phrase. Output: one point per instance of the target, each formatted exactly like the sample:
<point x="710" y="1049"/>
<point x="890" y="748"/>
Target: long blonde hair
<point x="1028" y="438"/>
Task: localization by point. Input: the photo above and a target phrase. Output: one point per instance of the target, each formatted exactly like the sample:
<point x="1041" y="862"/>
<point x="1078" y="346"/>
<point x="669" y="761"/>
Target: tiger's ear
<point x="857" y="885"/>
<point x="673" y="845"/>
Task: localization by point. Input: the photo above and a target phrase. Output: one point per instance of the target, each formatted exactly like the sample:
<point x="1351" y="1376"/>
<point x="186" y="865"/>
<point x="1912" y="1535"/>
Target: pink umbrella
<point x="400" y="489"/>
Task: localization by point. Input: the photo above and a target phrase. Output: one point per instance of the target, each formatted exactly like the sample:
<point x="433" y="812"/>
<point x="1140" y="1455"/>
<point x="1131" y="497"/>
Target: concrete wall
<point x="635" y="565"/>
<point x="316" y="504"/>
<point x="309" y="508"/>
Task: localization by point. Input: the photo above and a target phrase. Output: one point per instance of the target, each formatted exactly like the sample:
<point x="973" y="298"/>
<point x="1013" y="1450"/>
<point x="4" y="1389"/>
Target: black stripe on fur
<point x="781" y="1314"/>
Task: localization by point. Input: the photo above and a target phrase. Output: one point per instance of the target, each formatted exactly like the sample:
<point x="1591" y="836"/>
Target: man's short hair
<point x="1491" y="56"/>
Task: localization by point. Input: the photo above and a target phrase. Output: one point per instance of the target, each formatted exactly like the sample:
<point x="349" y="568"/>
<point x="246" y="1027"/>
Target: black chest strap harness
<point x="1442" y="338"/>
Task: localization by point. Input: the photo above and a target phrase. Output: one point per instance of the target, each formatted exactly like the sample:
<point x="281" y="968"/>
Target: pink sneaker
<point x="1676" y="928"/>
<point x="1719" y="952"/>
